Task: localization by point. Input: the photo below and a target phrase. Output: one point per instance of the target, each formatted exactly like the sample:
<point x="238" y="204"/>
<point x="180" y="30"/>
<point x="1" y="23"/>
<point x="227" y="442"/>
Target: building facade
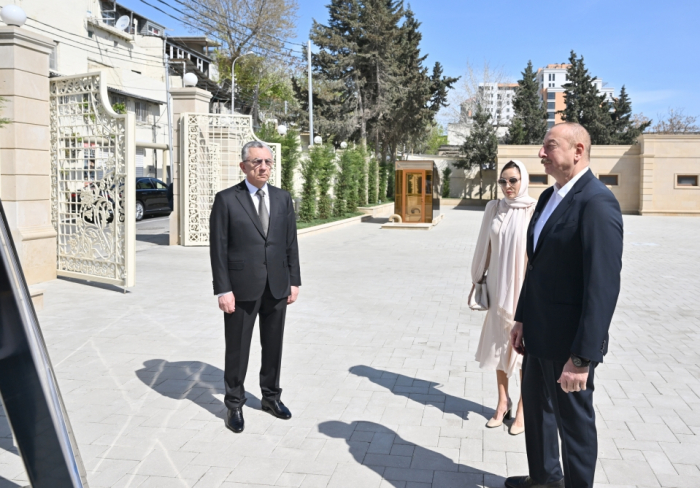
<point x="551" y="79"/>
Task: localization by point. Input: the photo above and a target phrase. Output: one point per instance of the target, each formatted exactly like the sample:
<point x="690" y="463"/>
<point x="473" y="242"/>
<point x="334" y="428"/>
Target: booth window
<point x="538" y="179"/>
<point x="609" y="180"/>
<point x="687" y="180"/>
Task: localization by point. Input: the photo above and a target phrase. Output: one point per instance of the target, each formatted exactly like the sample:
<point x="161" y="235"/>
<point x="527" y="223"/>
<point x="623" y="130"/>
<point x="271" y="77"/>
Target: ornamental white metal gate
<point x="92" y="182"/>
<point x="211" y="153"/>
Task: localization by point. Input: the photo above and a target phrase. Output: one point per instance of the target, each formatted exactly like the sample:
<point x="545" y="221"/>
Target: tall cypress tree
<point x="529" y="124"/>
<point x="584" y="104"/>
<point x="624" y="130"/>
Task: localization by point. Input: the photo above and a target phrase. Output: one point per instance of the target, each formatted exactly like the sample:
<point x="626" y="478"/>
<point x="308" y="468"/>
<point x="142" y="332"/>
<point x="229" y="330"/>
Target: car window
<point x="144" y="185"/>
<point x="160" y="185"/>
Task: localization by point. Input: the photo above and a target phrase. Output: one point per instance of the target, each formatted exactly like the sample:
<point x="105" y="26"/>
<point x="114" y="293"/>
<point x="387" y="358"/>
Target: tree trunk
<point x="363" y="121"/>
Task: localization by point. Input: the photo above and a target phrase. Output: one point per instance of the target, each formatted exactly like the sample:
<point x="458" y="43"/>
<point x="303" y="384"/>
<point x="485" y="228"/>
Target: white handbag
<point x="479" y="297"/>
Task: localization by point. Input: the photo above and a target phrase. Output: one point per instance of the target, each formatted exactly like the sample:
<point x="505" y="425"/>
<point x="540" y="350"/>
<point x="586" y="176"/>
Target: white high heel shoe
<point x="493" y="423"/>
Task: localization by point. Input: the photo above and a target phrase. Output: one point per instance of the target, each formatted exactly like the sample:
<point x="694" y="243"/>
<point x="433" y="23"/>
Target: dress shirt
<point x="559" y="193"/>
<point x="256" y="202"/>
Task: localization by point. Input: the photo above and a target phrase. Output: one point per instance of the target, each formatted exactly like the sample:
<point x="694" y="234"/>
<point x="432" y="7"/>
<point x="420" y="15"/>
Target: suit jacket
<point x="573" y="277"/>
<point x="243" y="260"/>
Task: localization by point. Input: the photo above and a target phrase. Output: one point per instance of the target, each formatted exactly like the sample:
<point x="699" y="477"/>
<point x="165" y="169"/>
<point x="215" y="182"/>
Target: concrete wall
<point x="646" y="172"/>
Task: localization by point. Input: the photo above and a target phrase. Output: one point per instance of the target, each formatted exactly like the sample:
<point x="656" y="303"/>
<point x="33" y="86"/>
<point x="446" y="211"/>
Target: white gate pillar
<point x="25" y="162"/>
<point x="185" y="100"/>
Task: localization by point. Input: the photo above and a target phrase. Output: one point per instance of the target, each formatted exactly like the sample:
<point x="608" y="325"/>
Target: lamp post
<point x="233" y="79"/>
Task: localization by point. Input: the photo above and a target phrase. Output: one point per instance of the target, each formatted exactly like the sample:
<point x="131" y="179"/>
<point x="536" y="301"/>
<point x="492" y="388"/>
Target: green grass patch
<point x="315" y="222"/>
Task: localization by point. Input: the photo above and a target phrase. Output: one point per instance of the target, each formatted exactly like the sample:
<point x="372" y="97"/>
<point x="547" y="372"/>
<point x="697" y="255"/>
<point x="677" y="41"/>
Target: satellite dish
<point x="122" y="22"/>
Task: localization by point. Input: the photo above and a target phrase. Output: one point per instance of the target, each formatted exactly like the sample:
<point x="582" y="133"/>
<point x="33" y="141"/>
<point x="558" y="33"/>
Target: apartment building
<point x="495" y="98"/>
<point x="551" y="80"/>
<point x="128" y="48"/>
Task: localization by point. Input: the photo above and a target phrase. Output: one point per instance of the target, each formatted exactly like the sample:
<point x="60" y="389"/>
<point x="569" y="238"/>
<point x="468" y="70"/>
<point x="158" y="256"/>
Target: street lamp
<point x="13" y="15"/>
<point x="343" y="145"/>
<point x="318" y="140"/>
<point x="233" y="79"/>
<point x="282" y="130"/>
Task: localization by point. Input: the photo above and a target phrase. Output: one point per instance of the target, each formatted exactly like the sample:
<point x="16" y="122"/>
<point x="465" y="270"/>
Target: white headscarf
<point x="512" y="246"/>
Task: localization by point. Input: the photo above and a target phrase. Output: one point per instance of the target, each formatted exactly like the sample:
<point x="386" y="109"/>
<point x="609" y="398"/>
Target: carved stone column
<point x="185" y="100"/>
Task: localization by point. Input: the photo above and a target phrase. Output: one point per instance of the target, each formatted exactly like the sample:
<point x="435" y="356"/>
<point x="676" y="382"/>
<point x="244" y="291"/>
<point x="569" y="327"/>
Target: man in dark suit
<point x="255" y="264"/>
<point x="574" y="249"/>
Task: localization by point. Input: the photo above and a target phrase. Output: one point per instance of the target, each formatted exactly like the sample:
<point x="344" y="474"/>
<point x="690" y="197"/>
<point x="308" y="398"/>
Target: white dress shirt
<point x="256" y="200"/>
<point x="553" y="203"/>
<point x="256" y="203"/>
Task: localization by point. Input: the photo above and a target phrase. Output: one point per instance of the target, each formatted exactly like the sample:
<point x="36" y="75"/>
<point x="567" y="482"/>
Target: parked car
<point x="151" y="197"/>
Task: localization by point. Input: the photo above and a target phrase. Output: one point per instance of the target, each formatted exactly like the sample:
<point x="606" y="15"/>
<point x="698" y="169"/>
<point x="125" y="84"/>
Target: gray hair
<point x="253" y="144"/>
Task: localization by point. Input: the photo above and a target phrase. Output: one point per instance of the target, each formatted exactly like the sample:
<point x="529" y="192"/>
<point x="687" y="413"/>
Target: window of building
<point x="152" y="30"/>
<point x="550" y="106"/>
<point x="53" y="58"/>
<point x="551" y="115"/>
<point x="551" y="95"/>
<point x="551" y="85"/>
<point x="141" y="110"/>
<point x="609" y="180"/>
<point x="687" y="181"/>
<point x="550" y="124"/>
<point x="539" y="179"/>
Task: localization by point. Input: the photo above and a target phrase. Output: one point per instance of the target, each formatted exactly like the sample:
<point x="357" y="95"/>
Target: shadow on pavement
<point x="159" y="239"/>
<point x="190" y="380"/>
<point x="399" y="461"/>
<point x="421" y="391"/>
<point x="104" y="286"/>
<point x="376" y="220"/>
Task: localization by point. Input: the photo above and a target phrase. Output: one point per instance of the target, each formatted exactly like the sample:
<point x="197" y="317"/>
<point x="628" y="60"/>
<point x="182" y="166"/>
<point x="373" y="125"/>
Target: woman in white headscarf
<point x="500" y="258"/>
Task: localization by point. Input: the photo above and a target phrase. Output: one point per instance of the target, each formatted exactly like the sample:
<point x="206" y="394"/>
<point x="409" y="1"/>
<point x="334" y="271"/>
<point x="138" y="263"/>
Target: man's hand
<point x="227" y="303"/>
<point x="516" y="338"/>
<point x="573" y="378"/>
<point x="293" y="297"/>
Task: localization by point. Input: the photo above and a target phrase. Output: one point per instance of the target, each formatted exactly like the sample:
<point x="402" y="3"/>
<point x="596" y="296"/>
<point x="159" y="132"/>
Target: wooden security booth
<point x="417" y="192"/>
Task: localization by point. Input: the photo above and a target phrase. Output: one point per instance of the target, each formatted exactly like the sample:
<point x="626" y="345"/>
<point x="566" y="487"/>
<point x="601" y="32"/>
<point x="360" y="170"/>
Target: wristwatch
<point x="580" y="362"/>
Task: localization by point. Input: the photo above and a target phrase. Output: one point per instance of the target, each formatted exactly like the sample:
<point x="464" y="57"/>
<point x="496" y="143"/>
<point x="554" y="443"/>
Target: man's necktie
<point x="262" y="211"/>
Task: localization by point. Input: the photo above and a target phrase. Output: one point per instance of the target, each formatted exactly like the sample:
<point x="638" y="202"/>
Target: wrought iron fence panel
<point x="211" y="153"/>
<point x="92" y="182"/>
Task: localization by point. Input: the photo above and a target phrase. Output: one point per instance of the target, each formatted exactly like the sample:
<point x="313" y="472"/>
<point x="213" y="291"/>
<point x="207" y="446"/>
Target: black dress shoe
<point x="527" y="482"/>
<point x="276" y="408"/>
<point x="234" y="420"/>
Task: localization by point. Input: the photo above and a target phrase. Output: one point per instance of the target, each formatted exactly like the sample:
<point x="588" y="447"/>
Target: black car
<point x="151" y="197"/>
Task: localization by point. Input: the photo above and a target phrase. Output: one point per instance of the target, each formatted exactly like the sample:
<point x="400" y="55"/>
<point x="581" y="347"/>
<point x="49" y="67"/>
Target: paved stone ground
<point x="378" y="369"/>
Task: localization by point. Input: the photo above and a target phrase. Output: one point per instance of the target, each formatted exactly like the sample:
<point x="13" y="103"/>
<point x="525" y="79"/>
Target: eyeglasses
<point x="504" y="182"/>
<point x="257" y="162"/>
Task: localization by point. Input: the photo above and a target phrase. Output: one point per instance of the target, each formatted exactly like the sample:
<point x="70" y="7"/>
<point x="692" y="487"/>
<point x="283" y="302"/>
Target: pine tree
<point x="446" y="173"/>
<point x="529" y="124"/>
<point x="584" y="104"/>
<point x="372" y="181"/>
<point x="481" y="147"/>
<point x="325" y="163"/>
<point x="307" y="208"/>
<point x="624" y="129"/>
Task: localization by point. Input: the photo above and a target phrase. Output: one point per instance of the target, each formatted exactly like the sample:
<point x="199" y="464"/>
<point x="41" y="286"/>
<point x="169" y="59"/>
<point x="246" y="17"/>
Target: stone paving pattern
<point x="378" y="370"/>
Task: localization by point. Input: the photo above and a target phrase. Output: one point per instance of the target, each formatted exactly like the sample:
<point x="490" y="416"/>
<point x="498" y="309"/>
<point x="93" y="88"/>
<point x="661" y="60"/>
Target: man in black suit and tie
<point x="255" y="265"/>
<point x="574" y="249"/>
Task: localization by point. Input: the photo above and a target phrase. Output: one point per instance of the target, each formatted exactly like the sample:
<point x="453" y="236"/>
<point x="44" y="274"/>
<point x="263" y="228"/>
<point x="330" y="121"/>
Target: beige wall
<point x="664" y="156"/>
<point x="646" y="172"/>
<point x="25" y="166"/>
